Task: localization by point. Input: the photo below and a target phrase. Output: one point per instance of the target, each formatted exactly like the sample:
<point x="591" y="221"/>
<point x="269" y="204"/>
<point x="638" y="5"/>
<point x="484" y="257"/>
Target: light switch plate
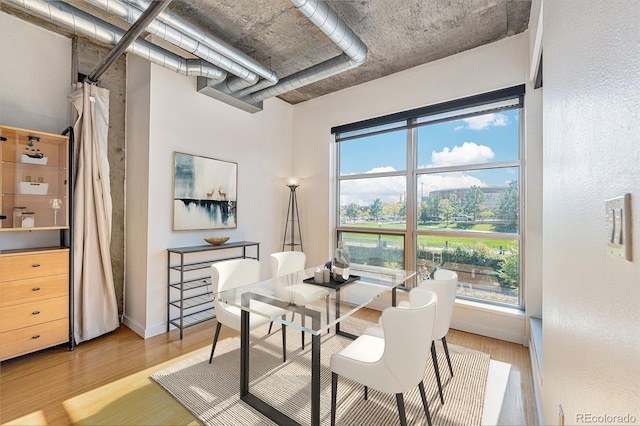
<point x="618" y="215"/>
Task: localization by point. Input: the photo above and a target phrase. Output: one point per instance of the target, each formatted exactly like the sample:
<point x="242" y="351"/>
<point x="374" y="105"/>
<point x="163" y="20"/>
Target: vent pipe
<point x="212" y="42"/>
<point x="141" y="22"/>
<point x="327" y="20"/>
<point x="254" y="82"/>
<point x="80" y="22"/>
<point x="131" y="14"/>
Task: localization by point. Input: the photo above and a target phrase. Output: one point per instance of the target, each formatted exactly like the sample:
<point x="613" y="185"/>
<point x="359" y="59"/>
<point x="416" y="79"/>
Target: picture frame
<point x="204" y="193"/>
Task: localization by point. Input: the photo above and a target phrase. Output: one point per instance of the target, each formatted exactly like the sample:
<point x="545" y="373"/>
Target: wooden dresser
<point x="34" y="300"/>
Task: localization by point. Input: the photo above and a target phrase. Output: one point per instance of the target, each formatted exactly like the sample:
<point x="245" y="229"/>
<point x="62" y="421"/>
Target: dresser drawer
<point x="33" y="265"/>
<point x="32" y="313"/>
<point x="14" y="292"/>
<point x="29" y="339"/>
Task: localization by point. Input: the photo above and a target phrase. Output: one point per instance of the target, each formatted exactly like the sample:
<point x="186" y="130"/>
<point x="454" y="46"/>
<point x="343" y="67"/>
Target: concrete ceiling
<point x="399" y="34"/>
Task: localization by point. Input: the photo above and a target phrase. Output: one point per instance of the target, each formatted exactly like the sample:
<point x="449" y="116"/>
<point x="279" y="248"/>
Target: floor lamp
<point x="293" y="218"/>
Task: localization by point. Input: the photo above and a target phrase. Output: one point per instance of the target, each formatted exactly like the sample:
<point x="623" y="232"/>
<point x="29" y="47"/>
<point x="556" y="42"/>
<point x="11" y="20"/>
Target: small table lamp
<point x="55" y="204"/>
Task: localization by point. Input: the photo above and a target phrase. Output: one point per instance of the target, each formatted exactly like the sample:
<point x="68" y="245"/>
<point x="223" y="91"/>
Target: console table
<point x="189" y="290"/>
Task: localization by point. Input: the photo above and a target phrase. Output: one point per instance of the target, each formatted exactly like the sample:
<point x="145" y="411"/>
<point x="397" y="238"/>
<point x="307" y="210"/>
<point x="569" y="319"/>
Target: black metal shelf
<point x="193" y="301"/>
<point x="192" y="283"/>
<point x="187" y="292"/>
<point x="194" y="318"/>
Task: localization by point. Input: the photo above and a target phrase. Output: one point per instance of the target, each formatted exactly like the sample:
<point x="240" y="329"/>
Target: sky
<point x="481" y="139"/>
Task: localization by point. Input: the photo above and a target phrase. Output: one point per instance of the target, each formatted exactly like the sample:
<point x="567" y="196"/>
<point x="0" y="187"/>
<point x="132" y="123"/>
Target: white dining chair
<point x="234" y="273"/>
<point x="299" y="293"/>
<point x="396" y="362"/>
<point x="443" y="284"/>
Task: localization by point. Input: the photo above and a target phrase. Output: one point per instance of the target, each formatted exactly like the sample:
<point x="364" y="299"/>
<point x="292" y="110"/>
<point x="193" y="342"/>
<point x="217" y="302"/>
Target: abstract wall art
<point x="204" y="193"/>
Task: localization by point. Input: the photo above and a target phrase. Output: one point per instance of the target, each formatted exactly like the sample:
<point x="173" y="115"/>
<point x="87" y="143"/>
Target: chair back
<point x="444" y="286"/>
<point x="407" y="341"/>
<point x="229" y="274"/>
<point x="287" y="262"/>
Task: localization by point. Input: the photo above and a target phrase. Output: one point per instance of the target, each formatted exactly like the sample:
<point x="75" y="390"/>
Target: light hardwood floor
<point x="105" y="381"/>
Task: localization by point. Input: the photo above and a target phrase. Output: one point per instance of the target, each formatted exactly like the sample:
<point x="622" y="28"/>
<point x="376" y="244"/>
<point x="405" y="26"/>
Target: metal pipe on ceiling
<point x="80" y="22"/>
<point x="214" y="80"/>
<point x="129" y="37"/>
<point x="355" y="52"/>
<point x="202" y="36"/>
<point x="131" y="13"/>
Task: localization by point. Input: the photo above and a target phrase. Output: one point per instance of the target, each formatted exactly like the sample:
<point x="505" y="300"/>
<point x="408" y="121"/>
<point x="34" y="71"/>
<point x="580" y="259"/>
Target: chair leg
<point x="284" y="341"/>
<point x="423" y="395"/>
<point x="327" y="301"/>
<point x="366" y="393"/>
<point x="434" y="357"/>
<point x="334" y="397"/>
<point x="446" y="352"/>
<point x="401" y="412"/>
<point x="215" y="340"/>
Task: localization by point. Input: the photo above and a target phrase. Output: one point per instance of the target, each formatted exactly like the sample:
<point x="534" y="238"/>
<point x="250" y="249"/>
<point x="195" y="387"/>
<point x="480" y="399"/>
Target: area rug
<point x="211" y="391"/>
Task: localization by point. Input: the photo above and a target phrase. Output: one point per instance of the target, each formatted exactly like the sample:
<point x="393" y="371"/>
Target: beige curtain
<point x="95" y="305"/>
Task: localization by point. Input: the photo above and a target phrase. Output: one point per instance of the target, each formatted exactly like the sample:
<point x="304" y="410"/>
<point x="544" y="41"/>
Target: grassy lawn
<point x="432" y="240"/>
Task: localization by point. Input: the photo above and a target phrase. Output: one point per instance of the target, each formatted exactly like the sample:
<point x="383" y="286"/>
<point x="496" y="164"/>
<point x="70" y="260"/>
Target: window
<point x="438" y="187"/>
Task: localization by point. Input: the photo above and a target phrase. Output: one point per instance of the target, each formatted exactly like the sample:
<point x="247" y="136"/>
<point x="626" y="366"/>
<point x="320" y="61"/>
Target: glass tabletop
<point x="322" y="305"/>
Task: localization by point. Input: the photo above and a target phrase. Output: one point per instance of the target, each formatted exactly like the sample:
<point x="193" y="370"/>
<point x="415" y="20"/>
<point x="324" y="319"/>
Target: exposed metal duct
<point x="82" y="23"/>
<point x="254" y="82"/>
<point x="131" y="13"/>
<point x="355" y="51"/>
<point x="129" y="37"/>
<point x="214" y="43"/>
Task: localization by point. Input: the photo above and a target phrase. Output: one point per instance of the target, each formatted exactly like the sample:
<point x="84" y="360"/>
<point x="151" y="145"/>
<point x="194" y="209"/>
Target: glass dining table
<point x="298" y="293"/>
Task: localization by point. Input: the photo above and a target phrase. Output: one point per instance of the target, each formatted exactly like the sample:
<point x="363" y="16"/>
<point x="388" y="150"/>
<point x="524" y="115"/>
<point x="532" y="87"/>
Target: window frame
<point x="413" y="119"/>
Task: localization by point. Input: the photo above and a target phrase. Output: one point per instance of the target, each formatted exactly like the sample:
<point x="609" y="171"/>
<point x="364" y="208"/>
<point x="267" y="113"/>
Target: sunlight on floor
<point x="497" y="379"/>
<point x="34" y="419"/>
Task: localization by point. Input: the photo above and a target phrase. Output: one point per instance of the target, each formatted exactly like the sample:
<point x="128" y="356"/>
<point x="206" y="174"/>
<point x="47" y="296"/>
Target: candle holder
<point x="55" y="204"/>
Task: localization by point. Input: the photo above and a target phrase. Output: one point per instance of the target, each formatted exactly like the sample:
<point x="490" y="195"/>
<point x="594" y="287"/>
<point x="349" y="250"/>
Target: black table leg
<point x="244" y="353"/>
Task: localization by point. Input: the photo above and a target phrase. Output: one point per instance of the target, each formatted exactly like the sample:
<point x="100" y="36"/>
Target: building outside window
<point x="438" y="187"/>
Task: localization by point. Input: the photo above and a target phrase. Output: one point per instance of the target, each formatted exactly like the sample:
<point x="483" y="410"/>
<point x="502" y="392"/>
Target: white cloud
<point x="439" y="182"/>
<point x="481" y="122"/>
<point x="365" y="191"/>
<point x="375" y="170"/>
<point x="468" y="153"/>
<point x="381" y="169"/>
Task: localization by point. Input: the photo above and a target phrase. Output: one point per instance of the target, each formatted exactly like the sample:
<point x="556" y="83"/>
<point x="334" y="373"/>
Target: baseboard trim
<point x="141" y="331"/>
<point x="537" y="381"/>
<point x="484" y="330"/>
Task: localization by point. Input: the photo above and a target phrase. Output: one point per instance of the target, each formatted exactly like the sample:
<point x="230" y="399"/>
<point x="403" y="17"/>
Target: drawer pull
<point x="35" y="265"/>
<point x="35" y="289"/>
<point x="35" y="313"/>
<point x="37" y="336"/>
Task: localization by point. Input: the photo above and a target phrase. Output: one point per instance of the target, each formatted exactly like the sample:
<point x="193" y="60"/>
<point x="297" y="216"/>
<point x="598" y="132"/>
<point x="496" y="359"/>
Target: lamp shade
<point x="292" y="181"/>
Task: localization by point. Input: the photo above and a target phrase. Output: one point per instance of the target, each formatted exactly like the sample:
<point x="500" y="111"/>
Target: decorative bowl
<point x="216" y="241"/>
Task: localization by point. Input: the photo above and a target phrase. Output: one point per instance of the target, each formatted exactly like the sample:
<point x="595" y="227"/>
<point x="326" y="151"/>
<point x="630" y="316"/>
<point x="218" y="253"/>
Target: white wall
<point x="181" y="119"/>
<point x="501" y="64"/>
<point x="35" y="79"/>
<point x="35" y="76"/>
<point x="591" y="309"/>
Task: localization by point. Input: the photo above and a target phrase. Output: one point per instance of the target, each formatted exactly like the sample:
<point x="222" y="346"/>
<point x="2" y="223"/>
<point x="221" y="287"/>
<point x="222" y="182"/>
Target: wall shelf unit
<point x="36" y="284"/>
<point x="189" y="290"/>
